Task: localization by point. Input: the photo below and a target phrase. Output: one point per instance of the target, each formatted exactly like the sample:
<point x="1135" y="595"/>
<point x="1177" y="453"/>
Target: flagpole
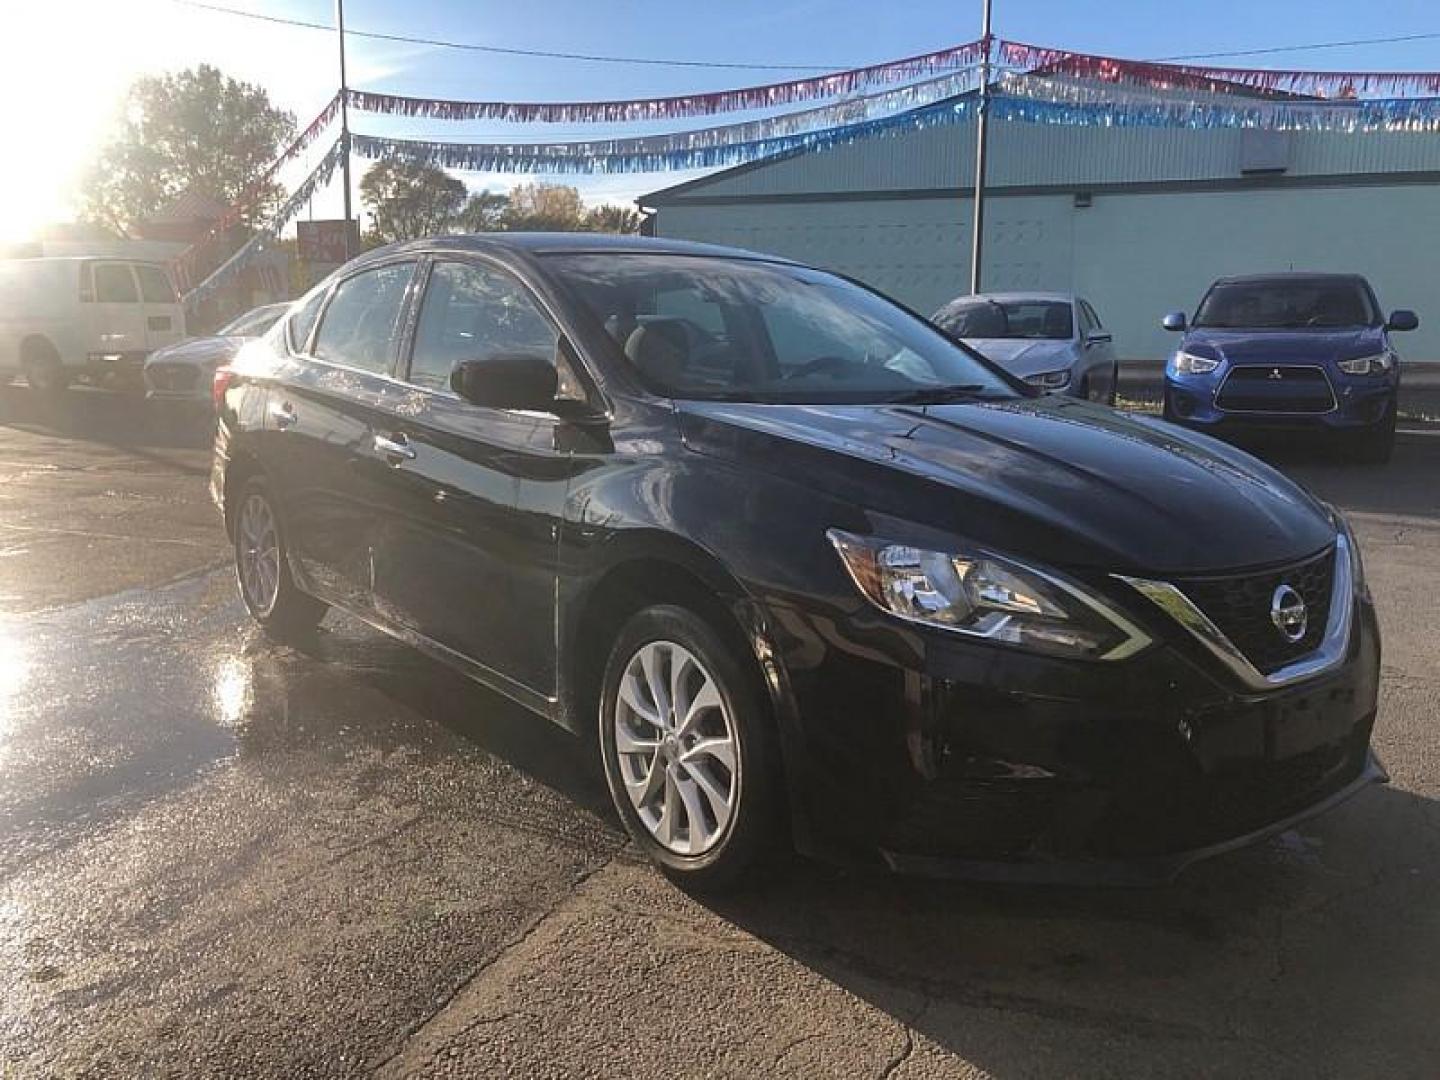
<point x="982" y="132"/>
<point x="345" y="125"/>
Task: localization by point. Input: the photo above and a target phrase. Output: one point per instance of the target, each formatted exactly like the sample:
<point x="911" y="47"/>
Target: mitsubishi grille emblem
<point x="1287" y="612"/>
<point x="1275" y="373"/>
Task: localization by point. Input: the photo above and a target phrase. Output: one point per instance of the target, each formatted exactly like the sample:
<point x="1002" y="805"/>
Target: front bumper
<point x="1359" y="402"/>
<point x="913" y="751"/>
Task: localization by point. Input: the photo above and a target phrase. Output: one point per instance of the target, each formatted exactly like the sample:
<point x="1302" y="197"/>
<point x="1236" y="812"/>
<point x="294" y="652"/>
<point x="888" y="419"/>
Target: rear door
<point x="320" y="425"/>
<point x="474" y="496"/>
<point x="117" y="315"/>
<point x="164" y="317"/>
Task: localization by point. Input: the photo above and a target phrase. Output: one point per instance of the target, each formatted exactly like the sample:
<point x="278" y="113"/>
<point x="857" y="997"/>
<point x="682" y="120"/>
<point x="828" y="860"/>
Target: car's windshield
<point x="741" y="330"/>
<point x="1282" y="304"/>
<point x="983" y="318"/>
<point x="254" y="323"/>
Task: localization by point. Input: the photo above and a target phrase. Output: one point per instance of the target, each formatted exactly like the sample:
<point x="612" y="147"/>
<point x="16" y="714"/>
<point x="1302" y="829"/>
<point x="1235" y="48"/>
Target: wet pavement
<point x="219" y="856"/>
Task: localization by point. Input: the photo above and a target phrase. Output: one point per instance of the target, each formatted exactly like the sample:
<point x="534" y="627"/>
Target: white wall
<point x="1135" y="256"/>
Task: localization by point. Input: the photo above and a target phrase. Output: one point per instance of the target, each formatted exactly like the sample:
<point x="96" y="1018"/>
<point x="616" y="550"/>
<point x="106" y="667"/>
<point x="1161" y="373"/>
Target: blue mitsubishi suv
<point x="1285" y="351"/>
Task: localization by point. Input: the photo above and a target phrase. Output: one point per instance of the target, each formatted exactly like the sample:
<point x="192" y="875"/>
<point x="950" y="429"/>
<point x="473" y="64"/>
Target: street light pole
<point x="982" y="133"/>
<point x="345" y="124"/>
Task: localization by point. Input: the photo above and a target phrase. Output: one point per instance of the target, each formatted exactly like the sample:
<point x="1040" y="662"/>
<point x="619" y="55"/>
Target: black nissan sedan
<point x="805" y="570"/>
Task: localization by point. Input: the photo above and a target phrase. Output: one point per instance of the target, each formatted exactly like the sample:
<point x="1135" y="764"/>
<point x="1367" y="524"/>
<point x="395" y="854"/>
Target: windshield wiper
<point x="939" y="395"/>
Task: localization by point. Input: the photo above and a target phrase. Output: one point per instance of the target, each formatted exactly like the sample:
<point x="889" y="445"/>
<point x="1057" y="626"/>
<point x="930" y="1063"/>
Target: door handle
<point x="397" y="449"/>
<point x="282" y="415"/>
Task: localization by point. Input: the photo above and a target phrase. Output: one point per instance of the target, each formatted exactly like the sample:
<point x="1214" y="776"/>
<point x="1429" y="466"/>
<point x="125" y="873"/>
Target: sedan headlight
<point x="987" y="596"/>
<point x="1050" y="380"/>
<point x="1186" y="363"/>
<point x="1378" y="364"/>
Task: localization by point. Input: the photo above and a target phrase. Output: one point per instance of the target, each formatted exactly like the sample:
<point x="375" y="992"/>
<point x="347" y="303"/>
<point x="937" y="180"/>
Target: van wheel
<point x="263" y="573"/>
<point x="43" y="369"/>
<point x="688" y="746"/>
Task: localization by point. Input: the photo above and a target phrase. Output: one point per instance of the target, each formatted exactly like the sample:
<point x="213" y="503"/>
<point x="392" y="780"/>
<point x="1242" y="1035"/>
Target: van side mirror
<point x="507" y="380"/>
<point x="1400" y="319"/>
<point x="1174" y="321"/>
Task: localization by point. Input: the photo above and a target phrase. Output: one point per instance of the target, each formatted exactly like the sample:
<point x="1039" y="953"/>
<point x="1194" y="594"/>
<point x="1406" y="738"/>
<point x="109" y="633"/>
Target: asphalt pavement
<point x="223" y="857"/>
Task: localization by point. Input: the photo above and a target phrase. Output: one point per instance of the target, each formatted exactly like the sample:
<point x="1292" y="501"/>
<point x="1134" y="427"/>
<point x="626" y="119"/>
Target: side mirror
<point x="507" y="380"/>
<point x="1401" y="319"/>
<point x="1174" y="321"/>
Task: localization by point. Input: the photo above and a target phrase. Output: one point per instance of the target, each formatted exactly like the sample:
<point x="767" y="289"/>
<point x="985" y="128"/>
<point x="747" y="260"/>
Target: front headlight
<point x="987" y="596"/>
<point x="1050" y="380"/>
<point x="1378" y="364"/>
<point x="1186" y="363"/>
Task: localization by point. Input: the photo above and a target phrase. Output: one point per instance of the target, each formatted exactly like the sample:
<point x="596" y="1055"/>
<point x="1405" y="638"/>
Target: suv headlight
<point x="1378" y="364"/>
<point x="987" y="596"/>
<point x="1050" y="380"/>
<point x="1185" y="363"/>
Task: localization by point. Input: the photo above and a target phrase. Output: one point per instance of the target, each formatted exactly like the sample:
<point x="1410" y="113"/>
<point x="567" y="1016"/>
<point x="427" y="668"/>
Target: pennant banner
<point x="838" y="84"/>
<point x="1327" y="84"/>
<point x="262" y="240"/>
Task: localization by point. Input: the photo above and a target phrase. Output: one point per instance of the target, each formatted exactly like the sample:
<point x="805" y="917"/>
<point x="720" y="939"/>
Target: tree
<point x="543" y="207"/>
<point x="408" y="200"/>
<point x="613" y="219"/>
<point x="196" y="130"/>
<point x="485" y="212"/>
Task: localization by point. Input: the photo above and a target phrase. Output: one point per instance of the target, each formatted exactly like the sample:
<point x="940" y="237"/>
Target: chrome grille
<point x="1240" y="606"/>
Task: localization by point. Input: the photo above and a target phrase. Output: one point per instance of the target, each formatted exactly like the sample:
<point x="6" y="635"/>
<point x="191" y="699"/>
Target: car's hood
<point x="1055" y="478"/>
<point x="1024" y="356"/>
<point x="1318" y="345"/>
<point x="204" y="350"/>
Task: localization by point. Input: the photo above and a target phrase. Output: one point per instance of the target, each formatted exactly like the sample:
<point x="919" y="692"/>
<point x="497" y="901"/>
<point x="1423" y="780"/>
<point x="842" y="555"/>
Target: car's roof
<point x="1288" y="275"/>
<point x="574" y="243"/>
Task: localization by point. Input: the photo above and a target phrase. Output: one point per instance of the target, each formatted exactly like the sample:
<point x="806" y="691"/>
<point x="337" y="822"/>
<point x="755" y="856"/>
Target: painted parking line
<point x="1435" y="431"/>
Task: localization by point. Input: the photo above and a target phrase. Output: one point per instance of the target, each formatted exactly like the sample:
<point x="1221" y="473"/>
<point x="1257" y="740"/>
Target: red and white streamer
<point x="1341" y="85"/>
<point x="837" y="84"/>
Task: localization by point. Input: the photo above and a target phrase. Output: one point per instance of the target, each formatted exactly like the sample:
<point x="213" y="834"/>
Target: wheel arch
<point x="241" y="467"/>
<point x="659" y="568"/>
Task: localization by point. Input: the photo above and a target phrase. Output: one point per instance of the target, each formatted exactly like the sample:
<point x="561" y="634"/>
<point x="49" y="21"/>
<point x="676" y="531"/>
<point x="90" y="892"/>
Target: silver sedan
<point x="183" y="371"/>
<point x="1051" y="340"/>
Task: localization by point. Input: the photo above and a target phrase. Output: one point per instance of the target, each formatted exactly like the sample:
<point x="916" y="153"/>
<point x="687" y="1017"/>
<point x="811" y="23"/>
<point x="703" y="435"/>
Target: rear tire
<point x="44" y="371"/>
<point x="262" y="569"/>
<point x="678" y="698"/>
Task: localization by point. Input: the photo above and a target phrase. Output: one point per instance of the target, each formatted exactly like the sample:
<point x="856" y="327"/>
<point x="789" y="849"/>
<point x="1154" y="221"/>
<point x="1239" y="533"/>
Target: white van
<point x="84" y="319"/>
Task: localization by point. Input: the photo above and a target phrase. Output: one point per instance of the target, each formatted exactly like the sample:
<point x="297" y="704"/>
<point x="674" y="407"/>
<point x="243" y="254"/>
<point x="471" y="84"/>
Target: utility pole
<point x="345" y="125"/>
<point x="982" y="133"/>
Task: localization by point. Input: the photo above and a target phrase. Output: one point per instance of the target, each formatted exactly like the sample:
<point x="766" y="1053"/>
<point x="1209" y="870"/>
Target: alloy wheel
<point x="677" y="750"/>
<point x="258" y="553"/>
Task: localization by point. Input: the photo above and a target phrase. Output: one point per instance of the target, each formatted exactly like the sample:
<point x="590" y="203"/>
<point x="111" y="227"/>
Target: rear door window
<point x="361" y="320"/>
<point x="114" y="284"/>
<point x="154" y="285"/>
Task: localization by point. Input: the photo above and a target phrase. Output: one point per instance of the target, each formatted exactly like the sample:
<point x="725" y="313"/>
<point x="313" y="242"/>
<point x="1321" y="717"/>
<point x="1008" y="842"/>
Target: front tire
<point x="262" y="569"/>
<point x="687" y="742"/>
<point x="1376" y="444"/>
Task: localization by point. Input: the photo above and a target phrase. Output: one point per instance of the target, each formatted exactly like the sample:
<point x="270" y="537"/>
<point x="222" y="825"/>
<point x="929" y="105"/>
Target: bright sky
<point x="64" y="64"/>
